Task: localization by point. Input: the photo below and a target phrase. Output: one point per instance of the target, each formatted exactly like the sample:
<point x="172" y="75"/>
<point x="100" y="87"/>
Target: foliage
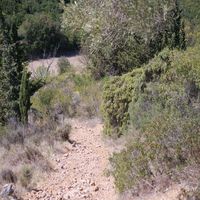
<point x="70" y="95"/>
<point x="41" y="33"/>
<point x="165" y="111"/>
<point x="192" y="16"/>
<point x="119" y="91"/>
<point x="45" y="98"/>
<point x="117" y="94"/>
<point x="37" y="21"/>
<point x="191" y="10"/>
<point x="19" y="10"/>
<point x="24" y="96"/>
<point x="16" y="86"/>
<point x="12" y="58"/>
<point x="41" y="73"/>
<point x="119" y="36"/>
<point x="63" y="65"/>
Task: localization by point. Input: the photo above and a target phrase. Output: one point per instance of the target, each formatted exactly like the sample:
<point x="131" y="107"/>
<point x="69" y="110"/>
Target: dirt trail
<point x="77" y="61"/>
<point x="80" y="171"/>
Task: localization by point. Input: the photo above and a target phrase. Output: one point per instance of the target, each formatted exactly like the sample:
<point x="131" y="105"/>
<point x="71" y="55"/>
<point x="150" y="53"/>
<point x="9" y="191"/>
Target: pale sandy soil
<point x="80" y="170"/>
<point x="77" y="61"/>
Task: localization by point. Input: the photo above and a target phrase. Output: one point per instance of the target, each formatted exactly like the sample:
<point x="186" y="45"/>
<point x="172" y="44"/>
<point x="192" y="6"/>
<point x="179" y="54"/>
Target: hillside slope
<point x="79" y="171"/>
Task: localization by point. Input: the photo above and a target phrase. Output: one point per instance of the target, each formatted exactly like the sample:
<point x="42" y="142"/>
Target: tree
<point x="38" y="24"/>
<point x="119" y="36"/>
<point x="12" y="58"/>
<point x="24" y="96"/>
<point x="41" y="33"/>
<point x="176" y="32"/>
<point x="27" y="89"/>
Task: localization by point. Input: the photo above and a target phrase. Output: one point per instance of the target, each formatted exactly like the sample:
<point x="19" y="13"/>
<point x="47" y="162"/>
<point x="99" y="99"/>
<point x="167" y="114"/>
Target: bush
<point x="69" y="95"/>
<point x="45" y="99"/>
<point x="63" y="65"/>
<point x="41" y="33"/>
<point x="90" y="95"/>
<point x="166" y="147"/>
<point x="26" y="175"/>
<point x="8" y="176"/>
<point x="165" y="111"/>
<point x="143" y="29"/>
<point x="119" y="92"/>
<point x="41" y="73"/>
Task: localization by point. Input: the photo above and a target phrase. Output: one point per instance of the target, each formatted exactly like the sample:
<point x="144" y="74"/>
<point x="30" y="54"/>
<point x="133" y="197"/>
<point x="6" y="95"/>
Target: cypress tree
<point x="176" y="30"/>
<point x="24" y="96"/>
<point x="12" y="58"/>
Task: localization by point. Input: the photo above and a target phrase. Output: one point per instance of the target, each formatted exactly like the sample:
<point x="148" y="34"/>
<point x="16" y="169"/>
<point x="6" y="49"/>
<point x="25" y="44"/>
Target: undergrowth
<point x="71" y="95"/>
<point x="160" y="112"/>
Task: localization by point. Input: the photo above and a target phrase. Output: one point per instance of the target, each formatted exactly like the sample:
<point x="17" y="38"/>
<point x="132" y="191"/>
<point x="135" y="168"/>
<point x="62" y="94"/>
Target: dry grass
<point x="69" y="95"/>
<point x="25" y="152"/>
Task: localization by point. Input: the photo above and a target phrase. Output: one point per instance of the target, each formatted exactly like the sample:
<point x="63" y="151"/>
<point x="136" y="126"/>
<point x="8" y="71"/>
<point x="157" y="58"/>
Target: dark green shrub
<point x="117" y="95"/>
<point x="63" y="65"/>
<point x="119" y="92"/>
<point x="165" y="112"/>
<point x="42" y="33"/>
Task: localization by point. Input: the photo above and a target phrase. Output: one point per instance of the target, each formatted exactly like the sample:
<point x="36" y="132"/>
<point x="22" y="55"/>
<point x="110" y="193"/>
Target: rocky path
<point x="80" y="171"/>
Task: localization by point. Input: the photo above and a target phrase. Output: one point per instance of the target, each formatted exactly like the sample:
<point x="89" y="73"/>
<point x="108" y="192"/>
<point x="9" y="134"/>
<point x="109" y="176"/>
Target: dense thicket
<point x="119" y="36"/>
<point x="38" y="24"/>
<point x="13" y="76"/>
<point x="158" y="106"/>
<point x="12" y="58"/>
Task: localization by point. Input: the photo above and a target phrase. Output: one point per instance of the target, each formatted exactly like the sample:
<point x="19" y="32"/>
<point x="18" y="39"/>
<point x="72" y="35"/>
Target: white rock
<point x="7" y="190"/>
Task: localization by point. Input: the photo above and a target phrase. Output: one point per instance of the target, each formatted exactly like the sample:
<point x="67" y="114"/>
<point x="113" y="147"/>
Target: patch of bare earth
<point x="77" y="61"/>
<point x="80" y="171"/>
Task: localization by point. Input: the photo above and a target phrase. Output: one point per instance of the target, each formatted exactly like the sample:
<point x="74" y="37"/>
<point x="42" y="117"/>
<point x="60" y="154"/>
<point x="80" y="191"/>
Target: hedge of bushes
<point x="161" y="114"/>
<point x="120" y="91"/>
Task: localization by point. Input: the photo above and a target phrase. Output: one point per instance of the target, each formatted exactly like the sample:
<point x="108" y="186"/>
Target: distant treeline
<point x="38" y="25"/>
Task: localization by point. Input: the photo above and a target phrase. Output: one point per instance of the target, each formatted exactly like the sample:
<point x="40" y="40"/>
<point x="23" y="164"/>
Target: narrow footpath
<point x="80" y="172"/>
